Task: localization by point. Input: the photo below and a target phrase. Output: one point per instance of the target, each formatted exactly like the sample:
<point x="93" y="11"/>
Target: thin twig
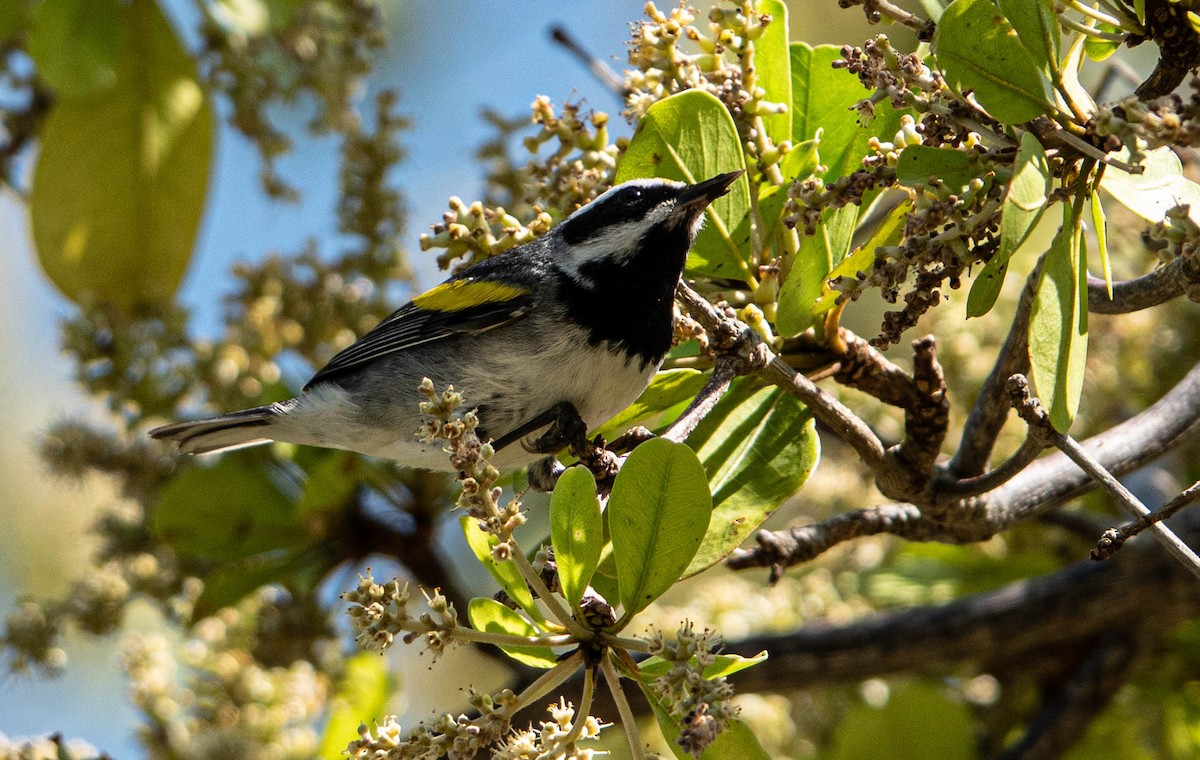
<point x="585" y="706"/>
<point x="548" y="681"/>
<point x="601" y="70"/>
<point x="1035" y="416"/>
<point x="560" y="613"/>
<point x="623" y="709"/>
<point x="723" y="373"/>
<point x="1114" y="538"/>
<point x="981" y="484"/>
<point x="991" y="406"/>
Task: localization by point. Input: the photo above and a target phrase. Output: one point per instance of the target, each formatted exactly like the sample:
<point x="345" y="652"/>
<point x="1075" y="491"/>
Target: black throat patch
<point x="629" y="304"/>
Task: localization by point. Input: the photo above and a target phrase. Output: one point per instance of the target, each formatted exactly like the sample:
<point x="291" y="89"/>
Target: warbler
<point x="579" y="319"/>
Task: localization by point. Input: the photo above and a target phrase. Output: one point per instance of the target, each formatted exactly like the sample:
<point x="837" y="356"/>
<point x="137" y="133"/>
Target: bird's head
<point x="656" y="217"/>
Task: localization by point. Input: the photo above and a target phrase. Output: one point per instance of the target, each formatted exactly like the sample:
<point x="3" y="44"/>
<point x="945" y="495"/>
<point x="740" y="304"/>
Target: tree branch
<point x="1039" y="423"/>
<point x="1043" y="485"/>
<point x="1010" y="628"/>
<point x="1163" y="284"/>
<point x="1067" y="714"/>
<point x="991" y="407"/>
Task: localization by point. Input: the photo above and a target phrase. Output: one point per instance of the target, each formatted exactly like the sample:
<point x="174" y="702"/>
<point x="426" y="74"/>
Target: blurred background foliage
<point x="270" y="154"/>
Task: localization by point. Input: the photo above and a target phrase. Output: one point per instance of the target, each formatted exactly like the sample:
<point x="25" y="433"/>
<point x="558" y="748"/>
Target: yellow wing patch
<point x="458" y="295"/>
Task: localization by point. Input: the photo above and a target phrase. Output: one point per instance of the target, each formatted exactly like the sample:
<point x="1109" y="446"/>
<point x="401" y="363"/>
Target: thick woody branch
<point x="1180" y="276"/>
<point x="1038" y="488"/>
<point x="1075" y="704"/>
<point x="1014" y="627"/>
<point x="991" y="407"/>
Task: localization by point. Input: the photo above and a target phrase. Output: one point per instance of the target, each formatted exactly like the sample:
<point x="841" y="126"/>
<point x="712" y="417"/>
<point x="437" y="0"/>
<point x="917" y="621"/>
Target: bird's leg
<point x="567" y="429"/>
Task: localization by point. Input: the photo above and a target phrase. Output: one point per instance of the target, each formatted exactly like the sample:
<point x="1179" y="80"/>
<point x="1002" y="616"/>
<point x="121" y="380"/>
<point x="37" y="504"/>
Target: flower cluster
<point x="702" y="705"/>
<point x="661" y="67"/>
<point x="556" y="738"/>
<point x="450" y="736"/>
<point x="378" y="613"/>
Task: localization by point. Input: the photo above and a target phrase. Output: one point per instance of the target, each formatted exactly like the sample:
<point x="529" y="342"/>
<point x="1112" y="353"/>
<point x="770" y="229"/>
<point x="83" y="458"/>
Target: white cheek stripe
<point x="618" y="241"/>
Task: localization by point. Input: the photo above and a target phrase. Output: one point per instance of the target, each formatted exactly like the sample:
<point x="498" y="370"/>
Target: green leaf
<point x="576" y="531"/>
<point x="73" y="43"/>
<point x="657" y="516"/>
<point x="978" y="50"/>
<point x="773" y="65"/>
<point x="1156" y="190"/>
<point x="1023" y="206"/>
<point x="144" y="146"/>
<point x="723" y="665"/>
<point x="690" y="137"/>
<point x="1098" y="49"/>
<point x="823" y="99"/>
<point x="1100" y="223"/>
<point x="922" y="165"/>
<point x="1058" y="326"/>
<point x="889" y="232"/>
<point x="900" y="729"/>
<point x="362" y="694"/>
<point x="493" y="617"/>
<point x="933" y="8"/>
<point x="818" y="255"/>
<point x="226" y="512"/>
<point x="233" y="581"/>
<point x="758" y="447"/>
<point x="1037" y="26"/>
<point x="505" y="573"/>
<point x="667" y="389"/>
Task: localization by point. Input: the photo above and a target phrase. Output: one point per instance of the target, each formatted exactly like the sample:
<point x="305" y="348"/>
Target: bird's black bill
<point x="709" y="190"/>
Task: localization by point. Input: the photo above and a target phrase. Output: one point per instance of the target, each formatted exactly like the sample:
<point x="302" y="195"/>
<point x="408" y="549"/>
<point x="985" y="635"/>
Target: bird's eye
<point x="634" y="195"/>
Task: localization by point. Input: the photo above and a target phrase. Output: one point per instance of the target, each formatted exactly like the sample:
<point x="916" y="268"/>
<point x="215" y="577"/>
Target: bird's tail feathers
<point x="229" y="431"/>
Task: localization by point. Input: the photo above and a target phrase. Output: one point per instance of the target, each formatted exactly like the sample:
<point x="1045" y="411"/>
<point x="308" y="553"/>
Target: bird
<point x="579" y="319"/>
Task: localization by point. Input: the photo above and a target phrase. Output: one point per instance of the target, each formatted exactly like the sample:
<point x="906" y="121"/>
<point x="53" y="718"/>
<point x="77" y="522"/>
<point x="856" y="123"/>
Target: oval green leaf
<point x="493" y="617"/>
<point x="73" y="43"/>
<point x="505" y="573"/>
<point x="823" y="98"/>
<point x="1160" y="187"/>
<point x="922" y="166"/>
<point x="667" y="389"/>
<point x="819" y="254"/>
<point x="657" y="516"/>
<point x="772" y="63"/>
<point x="1058" y="326"/>
<point x="1023" y="206"/>
<point x="758" y="447"/>
<point x="889" y="232"/>
<point x="722" y="665"/>
<point x="690" y="137"/>
<point x="576" y="531"/>
<point x="1037" y="27"/>
<point x="978" y="50"/>
<point x="144" y="146"/>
